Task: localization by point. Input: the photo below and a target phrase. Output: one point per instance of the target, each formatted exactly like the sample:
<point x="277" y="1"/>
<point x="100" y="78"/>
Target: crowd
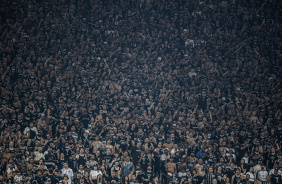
<point x="140" y="91"/>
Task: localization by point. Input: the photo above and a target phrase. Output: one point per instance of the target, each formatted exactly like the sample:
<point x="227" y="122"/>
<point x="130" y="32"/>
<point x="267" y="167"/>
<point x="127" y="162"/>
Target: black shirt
<point x="276" y="179"/>
<point x="148" y="175"/>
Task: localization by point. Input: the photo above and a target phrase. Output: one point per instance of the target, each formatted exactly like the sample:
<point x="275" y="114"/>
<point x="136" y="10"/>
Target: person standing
<point x="67" y="171"/>
<point x="136" y="153"/>
<point x="261" y="175"/>
<point x="156" y="160"/>
<point x="128" y="168"/>
<point x="276" y="177"/>
<point x="236" y="179"/>
<point x="81" y="157"/>
<point x="209" y="177"/>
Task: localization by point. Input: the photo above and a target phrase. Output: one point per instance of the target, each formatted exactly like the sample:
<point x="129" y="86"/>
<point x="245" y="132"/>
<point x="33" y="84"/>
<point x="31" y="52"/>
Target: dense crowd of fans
<point x="140" y="91"/>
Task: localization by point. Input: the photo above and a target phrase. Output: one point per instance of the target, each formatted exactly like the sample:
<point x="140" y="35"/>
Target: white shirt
<point x="272" y="172"/>
<point x="246" y="159"/>
<point x="68" y="172"/>
<point x="94" y="173"/>
<point x="262" y="175"/>
<point x="38" y="156"/>
<point x="228" y="155"/>
<point x="252" y="176"/>
<point x="27" y="129"/>
<point x="9" y="170"/>
<point x="257" y="168"/>
<point x="18" y="178"/>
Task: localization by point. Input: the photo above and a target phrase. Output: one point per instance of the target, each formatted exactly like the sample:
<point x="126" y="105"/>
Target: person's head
<point x="78" y="175"/>
<point x="272" y="150"/>
<point x="97" y="137"/>
<point x="97" y="153"/>
<point x="128" y="158"/>
<point x="210" y="170"/>
<point x="138" y="144"/>
<point x="66" y="177"/>
<point x="86" y="174"/>
<point x="146" y="140"/>
<point x="66" y="165"/>
<point x="18" y="172"/>
<point x="214" y="181"/>
<point x="260" y="161"/>
<point x="133" y="177"/>
<point x="168" y="140"/>
<point x="200" y="161"/>
<point x="41" y="161"/>
<point x="242" y="161"/>
<point x="88" y="163"/>
<point x="39" y="172"/>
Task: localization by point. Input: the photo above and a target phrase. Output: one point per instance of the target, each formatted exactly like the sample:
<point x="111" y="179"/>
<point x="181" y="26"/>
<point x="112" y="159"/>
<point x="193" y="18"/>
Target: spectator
<point x="276" y="177"/>
<point x="275" y="167"/>
<point x="128" y="169"/>
<point x="171" y="167"/>
<point x="52" y="177"/>
<point x="18" y="177"/>
<point x="67" y="173"/>
<point x="38" y="154"/>
<point x="251" y="174"/>
<point x="209" y="177"/>
<point x="271" y="158"/>
<point x="246" y="179"/>
<point x="262" y="175"/>
<point x="95" y="174"/>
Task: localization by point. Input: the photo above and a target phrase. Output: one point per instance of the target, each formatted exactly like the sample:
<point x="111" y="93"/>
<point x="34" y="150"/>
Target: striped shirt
<point x="209" y="178"/>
